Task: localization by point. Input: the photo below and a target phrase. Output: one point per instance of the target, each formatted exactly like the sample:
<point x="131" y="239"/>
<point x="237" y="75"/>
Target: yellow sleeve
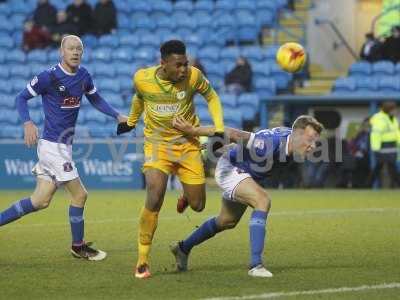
<point x="376" y="132"/>
<point x="136" y="110"/>
<point x="137" y="106"/>
<point x="204" y="87"/>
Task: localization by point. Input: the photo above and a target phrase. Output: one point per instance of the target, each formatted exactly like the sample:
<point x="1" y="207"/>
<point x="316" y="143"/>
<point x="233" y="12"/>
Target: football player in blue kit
<point x="255" y="156"/>
<point x="61" y="87"/>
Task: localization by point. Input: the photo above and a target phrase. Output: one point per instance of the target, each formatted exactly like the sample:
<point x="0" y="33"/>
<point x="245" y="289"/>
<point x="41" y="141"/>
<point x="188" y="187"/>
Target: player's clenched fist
<point x="31" y="133"/>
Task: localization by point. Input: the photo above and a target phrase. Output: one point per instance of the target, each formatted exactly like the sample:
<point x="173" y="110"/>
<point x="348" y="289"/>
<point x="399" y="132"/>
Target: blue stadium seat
<point x="213" y="68"/>
<point x="184" y="32"/>
<point x="140" y="6"/>
<point x="247" y="34"/>
<point x="209" y="52"/>
<point x="248" y="111"/>
<point x="124" y="22"/>
<point x="231" y="53"/>
<point x="122" y="54"/>
<point x="253" y="53"/>
<point x="145" y="24"/>
<point x="265" y="87"/>
<point x="246" y="4"/>
<point x="157" y="14"/>
<point x="15" y="56"/>
<point x="5" y="72"/>
<point x="53" y="56"/>
<point x="125" y="84"/>
<point x="11" y="131"/>
<point x="216" y="81"/>
<point x="162" y="6"/>
<point x="7" y="101"/>
<point x="5" y="9"/>
<point x="6" y="42"/>
<point x="19" y="7"/>
<point x="101" y="54"/>
<point x="233" y="115"/>
<point x="37" y="56"/>
<point x="125" y="69"/>
<point x="150" y="40"/>
<point x="146" y="54"/>
<point x="194" y="40"/>
<point x="109" y="40"/>
<point x="165" y="22"/>
<point x="228" y="100"/>
<point x="2" y="55"/>
<point x="281" y="77"/>
<point x="9" y="115"/>
<point x="360" y="68"/>
<point x="107" y="85"/>
<point x="261" y="69"/>
<point x="95" y="115"/>
<point x="131" y="40"/>
<point x="265" y="17"/>
<point x="5" y="87"/>
<point x="246" y="18"/>
<point x="18" y="20"/>
<point x="226" y="5"/>
<point x="162" y="33"/>
<point x="192" y="50"/>
<point x="366" y="84"/>
<point x="37" y="68"/>
<point x="383" y="68"/>
<point x="202" y="19"/>
<point x="270" y="52"/>
<point x="389" y="84"/>
<point x="251" y="99"/>
<point x="204" y="6"/>
<point x="23" y="71"/>
<point x="226" y="21"/>
<point x="104" y="69"/>
<point x="184" y="20"/>
<point x="183" y="6"/>
<point x="18" y="84"/>
<point x="267" y="5"/>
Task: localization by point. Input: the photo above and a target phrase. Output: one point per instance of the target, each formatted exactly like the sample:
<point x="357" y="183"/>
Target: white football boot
<point x="259" y="271"/>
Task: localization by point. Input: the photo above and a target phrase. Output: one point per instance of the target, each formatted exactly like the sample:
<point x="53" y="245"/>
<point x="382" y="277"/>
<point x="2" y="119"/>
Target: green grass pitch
<point x="316" y="240"/>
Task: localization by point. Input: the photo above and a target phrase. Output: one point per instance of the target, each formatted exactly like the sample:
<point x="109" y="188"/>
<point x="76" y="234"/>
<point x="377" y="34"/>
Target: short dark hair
<point x="303" y="121"/>
<point x="172" y="47"/>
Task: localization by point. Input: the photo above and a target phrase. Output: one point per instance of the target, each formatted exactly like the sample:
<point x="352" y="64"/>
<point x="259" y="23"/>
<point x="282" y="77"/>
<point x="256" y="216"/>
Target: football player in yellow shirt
<point x="162" y="93"/>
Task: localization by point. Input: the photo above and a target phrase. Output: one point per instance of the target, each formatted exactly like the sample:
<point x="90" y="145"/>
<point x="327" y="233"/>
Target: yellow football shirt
<point x="162" y="100"/>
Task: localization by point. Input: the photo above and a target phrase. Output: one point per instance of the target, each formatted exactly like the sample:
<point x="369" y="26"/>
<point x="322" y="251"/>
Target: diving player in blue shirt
<point x="61" y="87"/>
<point x="255" y="156"/>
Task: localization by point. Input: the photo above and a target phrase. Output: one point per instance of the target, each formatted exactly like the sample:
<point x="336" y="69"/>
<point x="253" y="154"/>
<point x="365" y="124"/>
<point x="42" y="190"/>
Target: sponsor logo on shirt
<point x="71" y="102"/>
<point x="167" y="109"/>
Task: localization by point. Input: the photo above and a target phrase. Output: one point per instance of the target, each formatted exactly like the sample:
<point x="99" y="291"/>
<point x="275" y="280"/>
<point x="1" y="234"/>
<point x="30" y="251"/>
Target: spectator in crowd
<point x="45" y="14"/>
<point x="239" y="79"/>
<point x="384" y="140"/>
<point x="62" y="27"/>
<point x="195" y="62"/>
<point x="104" y="17"/>
<point x="264" y="37"/>
<point x="34" y="36"/>
<point x="360" y="151"/>
<point x="391" y="46"/>
<point x="79" y="13"/>
<point x="372" y="48"/>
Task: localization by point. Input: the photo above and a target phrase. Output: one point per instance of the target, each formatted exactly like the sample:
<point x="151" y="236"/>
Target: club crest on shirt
<point x="181" y="95"/>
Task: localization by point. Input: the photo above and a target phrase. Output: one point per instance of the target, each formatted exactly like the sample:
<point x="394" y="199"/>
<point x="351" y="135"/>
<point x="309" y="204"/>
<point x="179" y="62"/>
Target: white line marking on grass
<point x="199" y="216"/>
<point x="393" y="285"/>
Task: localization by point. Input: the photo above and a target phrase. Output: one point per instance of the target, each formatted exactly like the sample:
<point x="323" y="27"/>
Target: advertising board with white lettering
<point x="102" y="164"/>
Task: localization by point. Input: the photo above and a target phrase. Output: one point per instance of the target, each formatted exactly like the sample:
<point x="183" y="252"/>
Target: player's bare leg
<point x="40" y="199"/>
<point x="248" y="192"/>
<point x="194" y="195"/>
<point x="156" y="185"/>
<point x="79" y="248"/>
<point x="230" y="214"/>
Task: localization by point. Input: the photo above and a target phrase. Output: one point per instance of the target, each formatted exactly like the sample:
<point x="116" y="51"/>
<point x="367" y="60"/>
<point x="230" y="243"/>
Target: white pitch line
<point x="294" y="213"/>
<point x="393" y="285"/>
